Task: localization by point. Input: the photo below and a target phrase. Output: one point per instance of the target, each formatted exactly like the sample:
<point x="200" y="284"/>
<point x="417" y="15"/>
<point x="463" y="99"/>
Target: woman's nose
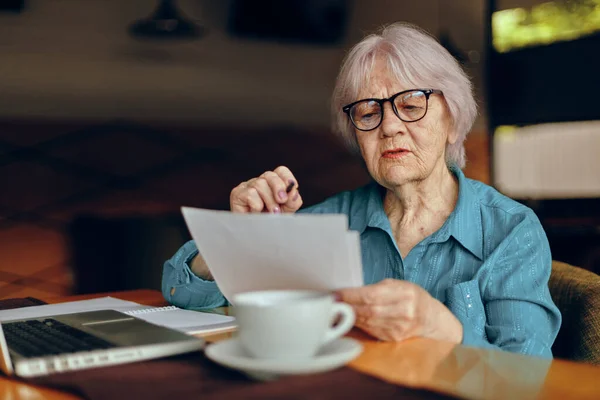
<point x="391" y="125"/>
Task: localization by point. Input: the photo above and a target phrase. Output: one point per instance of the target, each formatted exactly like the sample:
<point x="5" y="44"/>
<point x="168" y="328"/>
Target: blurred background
<point x="114" y="114"/>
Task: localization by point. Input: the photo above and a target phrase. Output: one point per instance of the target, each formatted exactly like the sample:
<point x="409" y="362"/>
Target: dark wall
<point x="558" y="82"/>
<point x="113" y="190"/>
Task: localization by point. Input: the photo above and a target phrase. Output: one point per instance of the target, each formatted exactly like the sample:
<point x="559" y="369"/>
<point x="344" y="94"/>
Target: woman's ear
<point x="448" y="122"/>
<point x="452" y="136"/>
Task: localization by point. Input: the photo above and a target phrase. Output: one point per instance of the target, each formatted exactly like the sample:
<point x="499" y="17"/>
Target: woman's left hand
<point x="395" y="310"/>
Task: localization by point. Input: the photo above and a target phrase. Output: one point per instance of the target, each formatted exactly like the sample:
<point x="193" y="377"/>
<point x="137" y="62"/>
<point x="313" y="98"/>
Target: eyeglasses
<point x="409" y="105"/>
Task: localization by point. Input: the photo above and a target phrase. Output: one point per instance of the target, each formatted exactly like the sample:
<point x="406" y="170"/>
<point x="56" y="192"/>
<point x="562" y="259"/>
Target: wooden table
<point x="422" y="363"/>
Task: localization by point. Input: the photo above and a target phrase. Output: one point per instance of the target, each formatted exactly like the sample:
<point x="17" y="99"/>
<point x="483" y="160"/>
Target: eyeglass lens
<point x="409" y="107"/>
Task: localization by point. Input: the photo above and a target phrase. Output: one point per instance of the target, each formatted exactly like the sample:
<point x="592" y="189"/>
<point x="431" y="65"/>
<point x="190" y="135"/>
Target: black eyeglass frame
<point x="427" y="92"/>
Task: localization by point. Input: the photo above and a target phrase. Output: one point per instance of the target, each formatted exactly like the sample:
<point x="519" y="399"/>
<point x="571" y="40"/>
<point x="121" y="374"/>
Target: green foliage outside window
<point x="559" y="20"/>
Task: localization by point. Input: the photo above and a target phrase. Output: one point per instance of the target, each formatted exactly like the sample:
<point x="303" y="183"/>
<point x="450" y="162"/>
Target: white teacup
<point x="284" y="324"/>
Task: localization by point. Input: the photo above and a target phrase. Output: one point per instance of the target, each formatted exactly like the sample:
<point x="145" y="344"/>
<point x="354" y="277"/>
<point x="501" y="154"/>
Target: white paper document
<point x="247" y="252"/>
<point x="187" y="321"/>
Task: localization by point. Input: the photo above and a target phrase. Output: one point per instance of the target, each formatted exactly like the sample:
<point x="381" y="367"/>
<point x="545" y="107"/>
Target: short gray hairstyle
<point x="415" y="58"/>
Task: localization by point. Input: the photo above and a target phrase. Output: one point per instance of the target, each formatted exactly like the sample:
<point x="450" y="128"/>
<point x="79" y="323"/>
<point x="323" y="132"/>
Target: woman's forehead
<point x="380" y="81"/>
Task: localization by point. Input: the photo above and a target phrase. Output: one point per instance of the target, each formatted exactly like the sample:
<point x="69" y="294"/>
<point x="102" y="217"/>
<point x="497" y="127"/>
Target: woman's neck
<point x="425" y="203"/>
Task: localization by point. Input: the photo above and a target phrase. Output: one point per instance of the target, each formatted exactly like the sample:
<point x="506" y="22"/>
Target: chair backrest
<point x="123" y="253"/>
<point x="576" y="292"/>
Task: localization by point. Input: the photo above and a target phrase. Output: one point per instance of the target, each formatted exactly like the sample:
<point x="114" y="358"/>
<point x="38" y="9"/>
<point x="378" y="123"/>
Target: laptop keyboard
<point x="36" y="338"/>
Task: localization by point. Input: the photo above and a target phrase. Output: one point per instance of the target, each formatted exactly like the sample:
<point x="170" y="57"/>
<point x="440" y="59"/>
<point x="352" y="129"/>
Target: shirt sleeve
<point x="520" y="314"/>
<point x="184" y="289"/>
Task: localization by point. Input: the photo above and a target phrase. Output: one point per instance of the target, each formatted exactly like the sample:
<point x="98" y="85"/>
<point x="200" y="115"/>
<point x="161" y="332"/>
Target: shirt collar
<point x="366" y="209"/>
<point x="463" y="224"/>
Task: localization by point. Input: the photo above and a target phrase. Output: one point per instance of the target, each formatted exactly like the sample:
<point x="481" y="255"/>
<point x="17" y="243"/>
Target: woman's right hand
<point x="267" y="193"/>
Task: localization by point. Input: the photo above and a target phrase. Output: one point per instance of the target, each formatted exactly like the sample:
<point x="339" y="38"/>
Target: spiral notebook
<point x="187" y="321"/>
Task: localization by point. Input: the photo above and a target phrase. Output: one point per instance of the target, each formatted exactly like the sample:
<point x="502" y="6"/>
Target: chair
<point x="576" y="292"/>
<point x="123" y="253"/>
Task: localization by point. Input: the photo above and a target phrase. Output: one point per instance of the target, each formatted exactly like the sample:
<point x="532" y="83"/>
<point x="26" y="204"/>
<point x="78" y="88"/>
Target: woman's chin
<point x="397" y="176"/>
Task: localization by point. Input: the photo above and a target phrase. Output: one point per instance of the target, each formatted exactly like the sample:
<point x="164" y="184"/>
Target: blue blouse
<point x="489" y="264"/>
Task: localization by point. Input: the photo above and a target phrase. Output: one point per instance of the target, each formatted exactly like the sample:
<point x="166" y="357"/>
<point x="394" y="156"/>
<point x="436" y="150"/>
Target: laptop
<point x="42" y="346"/>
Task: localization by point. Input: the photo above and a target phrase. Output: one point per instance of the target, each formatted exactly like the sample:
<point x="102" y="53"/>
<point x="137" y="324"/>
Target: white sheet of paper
<point x="355" y="256"/>
<point x="186" y="321"/>
<point x="71" y="307"/>
<point x="247" y="252"/>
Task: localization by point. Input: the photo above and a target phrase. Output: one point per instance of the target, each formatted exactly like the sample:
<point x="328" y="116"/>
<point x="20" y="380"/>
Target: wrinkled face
<point x="399" y="152"/>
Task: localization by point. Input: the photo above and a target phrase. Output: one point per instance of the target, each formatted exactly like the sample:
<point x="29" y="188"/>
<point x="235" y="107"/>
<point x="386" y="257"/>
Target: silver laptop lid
<point x="38" y="346"/>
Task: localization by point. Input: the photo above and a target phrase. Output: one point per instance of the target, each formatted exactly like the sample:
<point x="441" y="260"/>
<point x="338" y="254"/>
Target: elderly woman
<point x="444" y="256"/>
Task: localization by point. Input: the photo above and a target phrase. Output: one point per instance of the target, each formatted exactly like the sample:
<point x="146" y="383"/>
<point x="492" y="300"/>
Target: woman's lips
<point x="395" y="153"/>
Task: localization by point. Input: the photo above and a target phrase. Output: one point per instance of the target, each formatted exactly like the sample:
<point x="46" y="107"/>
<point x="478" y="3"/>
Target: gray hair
<point x="415" y="58"/>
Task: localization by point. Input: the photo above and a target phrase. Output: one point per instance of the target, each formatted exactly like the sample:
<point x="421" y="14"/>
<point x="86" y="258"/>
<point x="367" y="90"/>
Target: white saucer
<point x="231" y="354"/>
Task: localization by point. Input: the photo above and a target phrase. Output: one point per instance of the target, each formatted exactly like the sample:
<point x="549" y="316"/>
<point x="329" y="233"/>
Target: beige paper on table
<point x="247" y="252"/>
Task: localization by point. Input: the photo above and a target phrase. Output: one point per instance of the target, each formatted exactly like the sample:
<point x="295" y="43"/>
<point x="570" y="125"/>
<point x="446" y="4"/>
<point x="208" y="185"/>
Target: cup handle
<point x="346" y="323"/>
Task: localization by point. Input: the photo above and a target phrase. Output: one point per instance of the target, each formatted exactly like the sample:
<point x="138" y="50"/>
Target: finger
<point x="294" y="199"/>
<point x="396" y="317"/>
<point x="375" y="315"/>
<point x="388" y="291"/>
<point x="386" y="334"/>
<point x="286" y="176"/>
<point x="277" y="185"/>
<point x="384" y="322"/>
<point x="237" y="200"/>
<point x="253" y="200"/>
<point x="266" y="194"/>
<point x="245" y="198"/>
<point x="294" y="202"/>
